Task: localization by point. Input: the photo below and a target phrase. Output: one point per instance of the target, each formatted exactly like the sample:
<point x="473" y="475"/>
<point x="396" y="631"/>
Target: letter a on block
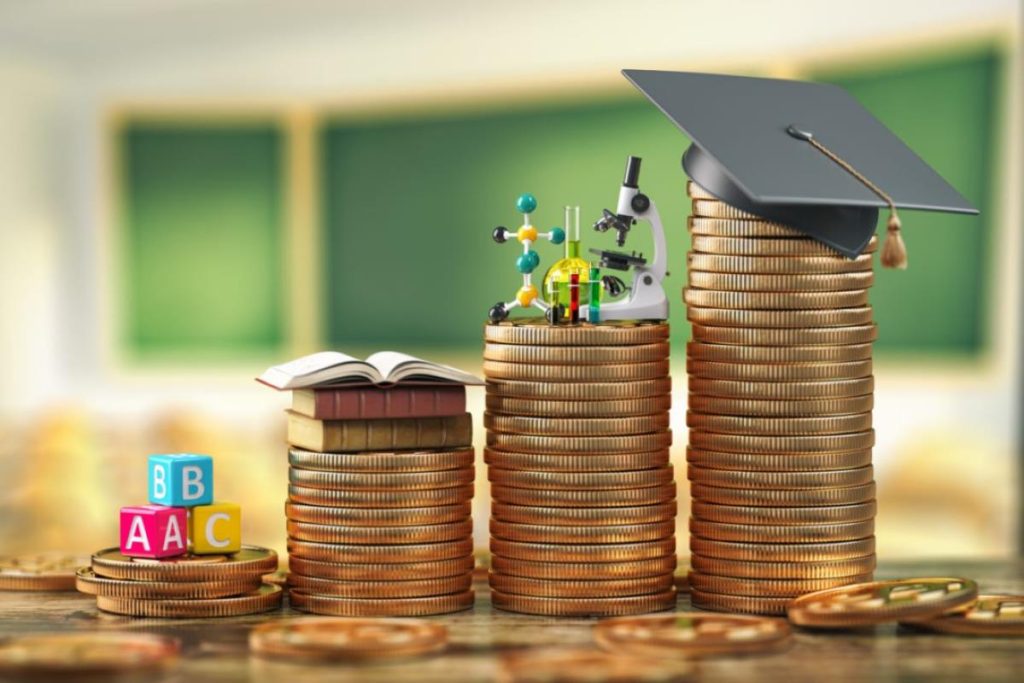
<point x="153" y="531"/>
<point x="137" y="537"/>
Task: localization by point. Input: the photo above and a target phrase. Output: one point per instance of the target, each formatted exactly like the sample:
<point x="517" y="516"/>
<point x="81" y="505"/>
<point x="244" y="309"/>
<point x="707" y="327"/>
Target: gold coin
<point x="249" y="561"/>
<point x="775" y="480"/>
<point x="381" y="481"/>
<point x="566" y="552"/>
<point x="529" y="443"/>
<point x="379" y="554"/>
<point x="745" y="246"/>
<point x="380" y="499"/>
<point x="370" y="535"/>
<point x="783" y="552"/>
<point x="381" y="607"/>
<point x="737" y="353"/>
<point x="783" y="570"/>
<point x="990" y="615"/>
<point x="576" y="426"/>
<point x="844" y="495"/>
<point x="695" y="191"/>
<point x="538" y="332"/>
<point x="377" y="517"/>
<point x="725" y="263"/>
<point x="584" y="607"/>
<point x="767" y="336"/>
<point x="587" y="665"/>
<point x="780" y="408"/>
<point x="86" y="581"/>
<point x="581" y="480"/>
<point x="727" y="227"/>
<point x="717" y="602"/>
<point x="775" y="301"/>
<point x="597" y="462"/>
<point x="798" y="516"/>
<point x="402" y="571"/>
<point x="348" y="639"/>
<point x="400" y="461"/>
<point x="824" y="317"/>
<point x="744" y="443"/>
<point x="417" y="588"/>
<point x="796" y="391"/>
<point x="563" y="588"/>
<point x="264" y="599"/>
<point x="584" y="571"/>
<point x="783" y="533"/>
<point x="576" y="355"/>
<point x="53" y="571"/>
<point x="73" y="656"/>
<point x="612" y="533"/>
<point x="790" y="372"/>
<point x="575" y="517"/>
<point x="880" y="602"/>
<point x="502" y="405"/>
<point x="691" y="634"/>
<point x="768" y="588"/>
<point x="782" y="426"/>
<point x="806" y="282"/>
<point x="582" y="498"/>
<point x="580" y="391"/>
<point x="575" y="373"/>
<point x="715" y="208"/>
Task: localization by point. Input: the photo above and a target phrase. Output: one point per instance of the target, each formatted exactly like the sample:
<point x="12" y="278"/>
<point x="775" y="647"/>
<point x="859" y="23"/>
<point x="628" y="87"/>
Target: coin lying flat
<point x="783" y="570"/>
<point x="380" y="535"/>
<point x="75" y="655"/>
<point x="797" y="391"/>
<point x="54" y="571"/>
<point x="804" y="282"/>
<point x="392" y="571"/>
<point x="533" y="331"/>
<point x="775" y="301"/>
<point x="881" y="602"/>
<point x="781" y="462"/>
<point x="783" y="533"/>
<point x="990" y="615"/>
<point x="564" y="552"/>
<point x="784" y="336"/>
<point x="691" y="634"/>
<point x="377" y="517"/>
<point x="379" y="554"/>
<point x="715" y="405"/>
<point x="767" y="514"/>
<point x="720" y="602"/>
<point x="785" y="426"/>
<point x="382" y="481"/>
<point x="584" y="607"/>
<point x="416" y="588"/>
<point x="582" y="480"/>
<point x="528" y="443"/>
<point x="783" y="552"/>
<point x="714" y="208"/>
<point x="401" y="461"/>
<point x="348" y="639"/>
<point x="584" y="571"/>
<point x="586" y="665"/>
<point x="381" y="607"/>
<point x="264" y="599"/>
<point x="249" y="560"/>
<point x="88" y="582"/>
<point x="502" y="405"/>
<point x="547" y="533"/>
<point x="728" y="263"/>
<point x="746" y="443"/>
<point x="577" y="355"/>
<point x="781" y="480"/>
<point x="740" y="246"/>
<point x="606" y="372"/>
<point x="649" y="495"/>
<point x="739" y="353"/>
<point x="578" y="426"/>
<point x="789" y="372"/>
<point x="593" y="462"/>
<point x="580" y="391"/>
<point x="563" y="516"/>
<point x="380" y="499"/>
<point x="567" y="588"/>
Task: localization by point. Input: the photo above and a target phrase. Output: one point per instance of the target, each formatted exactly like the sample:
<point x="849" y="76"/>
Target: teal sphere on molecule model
<point x="527" y="261"/>
<point x="526" y="203"/>
<point x="557" y="235"/>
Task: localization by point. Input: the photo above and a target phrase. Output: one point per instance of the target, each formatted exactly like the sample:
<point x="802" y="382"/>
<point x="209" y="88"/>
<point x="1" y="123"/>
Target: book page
<point x="316" y="365"/>
<point x="395" y="367"/>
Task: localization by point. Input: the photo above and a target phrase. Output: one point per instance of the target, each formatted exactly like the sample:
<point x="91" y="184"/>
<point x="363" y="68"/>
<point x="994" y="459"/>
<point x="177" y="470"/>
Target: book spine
<point x="382" y="435"/>
<point x="367" y="403"/>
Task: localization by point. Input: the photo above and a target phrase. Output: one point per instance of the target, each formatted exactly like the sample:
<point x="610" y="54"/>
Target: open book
<point x="329" y="368"/>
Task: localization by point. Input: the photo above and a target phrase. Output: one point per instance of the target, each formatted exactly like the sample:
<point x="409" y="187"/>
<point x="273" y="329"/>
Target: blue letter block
<point x="181" y="479"/>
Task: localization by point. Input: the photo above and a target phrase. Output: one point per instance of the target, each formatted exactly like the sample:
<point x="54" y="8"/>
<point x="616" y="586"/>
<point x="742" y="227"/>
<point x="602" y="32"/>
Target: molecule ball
<point x="527" y="261"/>
<point x="557" y="235"/>
<point x="526" y="203"/>
<point x="527" y="232"/>
<point x="526" y="295"/>
<point x="500" y="234"/>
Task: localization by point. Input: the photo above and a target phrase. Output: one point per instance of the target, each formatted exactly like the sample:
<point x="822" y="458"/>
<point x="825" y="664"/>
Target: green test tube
<point x="594" y="306"/>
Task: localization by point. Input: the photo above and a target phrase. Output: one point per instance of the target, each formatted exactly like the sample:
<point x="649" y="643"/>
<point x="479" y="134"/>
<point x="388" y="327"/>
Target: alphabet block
<point x="181" y="479"/>
<point x="216" y="529"/>
<point x="153" y="531"/>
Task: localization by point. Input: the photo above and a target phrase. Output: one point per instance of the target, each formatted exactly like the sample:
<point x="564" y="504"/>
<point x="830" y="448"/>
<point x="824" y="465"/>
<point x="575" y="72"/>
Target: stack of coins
<point x="187" y="586"/>
<point x="380" y="533"/>
<point x="781" y="393"/>
<point x="583" y="513"/>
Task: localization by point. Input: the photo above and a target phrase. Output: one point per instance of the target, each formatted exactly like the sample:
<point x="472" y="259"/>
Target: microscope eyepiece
<point x="632" y="178"/>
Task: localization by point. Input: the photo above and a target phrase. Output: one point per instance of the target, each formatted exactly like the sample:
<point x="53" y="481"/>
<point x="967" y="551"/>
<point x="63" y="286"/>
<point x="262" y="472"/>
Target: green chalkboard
<point x="409" y="204"/>
<point x="201" y="207"/>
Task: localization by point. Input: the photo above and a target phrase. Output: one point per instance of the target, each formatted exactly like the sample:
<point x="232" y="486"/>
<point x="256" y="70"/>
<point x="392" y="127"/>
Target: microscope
<point x="646" y="299"/>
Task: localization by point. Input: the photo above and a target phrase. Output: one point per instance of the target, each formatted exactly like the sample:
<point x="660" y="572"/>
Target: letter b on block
<point x="153" y="531"/>
<point x="216" y="529"/>
<point x="181" y="479"/>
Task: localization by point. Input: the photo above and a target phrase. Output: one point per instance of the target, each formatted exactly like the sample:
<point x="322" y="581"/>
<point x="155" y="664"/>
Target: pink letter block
<point x="153" y="531"/>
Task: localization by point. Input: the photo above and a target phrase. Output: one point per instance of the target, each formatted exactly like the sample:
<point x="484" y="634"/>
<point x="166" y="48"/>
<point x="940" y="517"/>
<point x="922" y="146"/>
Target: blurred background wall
<point x="192" y="191"/>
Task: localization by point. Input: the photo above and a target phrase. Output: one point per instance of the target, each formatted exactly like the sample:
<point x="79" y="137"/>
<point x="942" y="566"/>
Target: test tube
<point x="574" y="297"/>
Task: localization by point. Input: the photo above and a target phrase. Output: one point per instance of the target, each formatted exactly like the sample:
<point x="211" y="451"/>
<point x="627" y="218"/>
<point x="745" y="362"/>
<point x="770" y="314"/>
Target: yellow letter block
<point x="215" y="529"/>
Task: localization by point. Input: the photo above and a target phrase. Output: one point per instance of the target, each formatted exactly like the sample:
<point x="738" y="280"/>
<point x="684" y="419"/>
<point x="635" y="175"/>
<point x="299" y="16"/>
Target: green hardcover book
<point x="379" y="435"/>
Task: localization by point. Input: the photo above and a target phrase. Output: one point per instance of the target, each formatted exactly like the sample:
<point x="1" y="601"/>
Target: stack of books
<point x="380" y="485"/>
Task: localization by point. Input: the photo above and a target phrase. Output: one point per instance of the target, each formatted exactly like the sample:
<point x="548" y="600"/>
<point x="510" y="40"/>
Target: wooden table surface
<point x="216" y="650"/>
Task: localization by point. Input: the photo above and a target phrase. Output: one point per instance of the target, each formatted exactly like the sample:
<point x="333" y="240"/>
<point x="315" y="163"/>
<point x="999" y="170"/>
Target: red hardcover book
<point x="368" y="402"/>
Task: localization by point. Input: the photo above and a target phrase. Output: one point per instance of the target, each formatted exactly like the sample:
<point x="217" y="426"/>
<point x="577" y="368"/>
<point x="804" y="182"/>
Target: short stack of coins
<point x="583" y="495"/>
<point x="781" y="394"/>
<point x="379" y="527"/>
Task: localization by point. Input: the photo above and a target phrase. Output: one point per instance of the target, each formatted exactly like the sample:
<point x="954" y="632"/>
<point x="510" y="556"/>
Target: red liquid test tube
<point x="574" y="298"/>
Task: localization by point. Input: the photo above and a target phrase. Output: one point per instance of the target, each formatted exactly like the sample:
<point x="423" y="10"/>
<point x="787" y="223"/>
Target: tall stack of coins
<point x="781" y="393"/>
<point x="583" y="511"/>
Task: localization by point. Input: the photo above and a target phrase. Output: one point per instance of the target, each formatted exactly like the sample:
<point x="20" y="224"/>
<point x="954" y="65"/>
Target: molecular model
<point x="526" y="263"/>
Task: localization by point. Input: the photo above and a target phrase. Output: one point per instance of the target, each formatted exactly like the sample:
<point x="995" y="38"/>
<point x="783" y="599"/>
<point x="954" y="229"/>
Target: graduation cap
<point x="807" y="155"/>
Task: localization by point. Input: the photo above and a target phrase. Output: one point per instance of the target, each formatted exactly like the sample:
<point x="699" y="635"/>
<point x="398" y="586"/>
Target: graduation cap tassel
<point x="894" y="251"/>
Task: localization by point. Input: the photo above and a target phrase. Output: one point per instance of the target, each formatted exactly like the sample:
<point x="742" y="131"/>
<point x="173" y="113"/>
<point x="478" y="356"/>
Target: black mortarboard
<point x="750" y="150"/>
